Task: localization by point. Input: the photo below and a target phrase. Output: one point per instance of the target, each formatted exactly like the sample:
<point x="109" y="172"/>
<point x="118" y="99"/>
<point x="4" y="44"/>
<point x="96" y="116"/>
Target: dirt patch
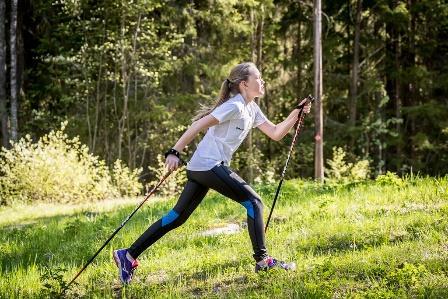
<point x="231" y="228"/>
<point x="157" y="278"/>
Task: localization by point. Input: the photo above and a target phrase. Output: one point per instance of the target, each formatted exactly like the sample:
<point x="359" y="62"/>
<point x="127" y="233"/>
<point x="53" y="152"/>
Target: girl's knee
<point x="254" y="207"/>
<point x="170" y="218"/>
<point x="173" y="219"/>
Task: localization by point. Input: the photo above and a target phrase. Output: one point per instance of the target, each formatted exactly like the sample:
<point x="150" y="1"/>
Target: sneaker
<point x="269" y="263"/>
<point x="126" y="265"/>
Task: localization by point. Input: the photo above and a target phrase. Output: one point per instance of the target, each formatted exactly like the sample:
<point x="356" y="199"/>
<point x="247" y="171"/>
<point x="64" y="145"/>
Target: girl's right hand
<point x="172" y="163"/>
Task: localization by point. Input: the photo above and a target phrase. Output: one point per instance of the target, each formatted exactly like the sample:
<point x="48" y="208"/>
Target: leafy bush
<point x="245" y="159"/>
<point x="342" y="171"/>
<point x="126" y="180"/>
<point x="390" y="178"/>
<point x="174" y="184"/>
<point x="60" y="169"/>
<point x="406" y="276"/>
<point x="53" y="282"/>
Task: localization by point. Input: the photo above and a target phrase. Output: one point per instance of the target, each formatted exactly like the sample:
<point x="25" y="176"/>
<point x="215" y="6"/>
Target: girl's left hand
<point x="307" y="107"/>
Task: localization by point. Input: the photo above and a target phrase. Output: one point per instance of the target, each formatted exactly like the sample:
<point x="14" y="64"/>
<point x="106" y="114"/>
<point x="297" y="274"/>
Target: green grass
<point x="359" y="241"/>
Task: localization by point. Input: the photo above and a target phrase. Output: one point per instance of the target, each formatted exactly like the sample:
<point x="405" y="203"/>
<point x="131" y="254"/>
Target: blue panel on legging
<point x="249" y="207"/>
<point x="170" y="217"/>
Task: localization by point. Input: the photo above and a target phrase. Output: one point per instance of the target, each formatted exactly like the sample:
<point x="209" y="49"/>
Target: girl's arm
<point x="172" y="162"/>
<point x="277" y="132"/>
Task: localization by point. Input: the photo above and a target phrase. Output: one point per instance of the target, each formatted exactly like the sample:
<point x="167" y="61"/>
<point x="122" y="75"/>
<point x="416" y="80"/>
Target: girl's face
<point x="254" y="86"/>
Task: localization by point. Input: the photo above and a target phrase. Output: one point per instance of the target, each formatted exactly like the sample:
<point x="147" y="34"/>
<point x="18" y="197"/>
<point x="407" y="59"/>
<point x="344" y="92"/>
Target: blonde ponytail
<point x="229" y="87"/>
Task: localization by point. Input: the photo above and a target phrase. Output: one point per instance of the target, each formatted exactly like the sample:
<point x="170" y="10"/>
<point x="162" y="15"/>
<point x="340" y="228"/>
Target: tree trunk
<point x="124" y="76"/>
<point x="389" y="71"/>
<point x="256" y="54"/>
<point x="259" y="37"/>
<point x="392" y="73"/>
<point x="13" y="84"/>
<point x="3" y="99"/>
<point x="355" y="66"/>
<point x="299" y="60"/>
<point x="20" y="50"/>
<point x="318" y="152"/>
<point x="409" y="88"/>
<point x="106" y="128"/>
<point x="97" y="104"/>
<point x="376" y="137"/>
<point x="397" y="98"/>
<point x="253" y="54"/>
<point x="132" y="143"/>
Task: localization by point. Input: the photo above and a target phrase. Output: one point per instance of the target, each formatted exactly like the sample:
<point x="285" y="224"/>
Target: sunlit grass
<point x="363" y="240"/>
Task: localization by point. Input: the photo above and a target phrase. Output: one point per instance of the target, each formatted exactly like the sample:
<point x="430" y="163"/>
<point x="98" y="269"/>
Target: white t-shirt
<point x="236" y="119"/>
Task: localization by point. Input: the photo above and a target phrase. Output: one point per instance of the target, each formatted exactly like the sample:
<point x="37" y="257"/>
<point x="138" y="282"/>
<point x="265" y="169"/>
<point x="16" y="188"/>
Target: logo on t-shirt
<point x="238" y="128"/>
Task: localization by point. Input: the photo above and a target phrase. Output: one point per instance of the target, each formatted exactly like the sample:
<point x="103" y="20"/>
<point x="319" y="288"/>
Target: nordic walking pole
<point x="166" y="175"/>
<point x="309" y="99"/>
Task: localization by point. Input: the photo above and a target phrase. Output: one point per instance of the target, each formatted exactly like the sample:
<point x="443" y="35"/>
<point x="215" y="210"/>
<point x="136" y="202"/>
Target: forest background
<point x="128" y="76"/>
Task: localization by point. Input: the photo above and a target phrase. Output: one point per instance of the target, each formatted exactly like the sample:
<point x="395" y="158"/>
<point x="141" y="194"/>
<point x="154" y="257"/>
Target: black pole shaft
<point x="118" y="229"/>
<point x="273" y="204"/>
<point x="291" y="148"/>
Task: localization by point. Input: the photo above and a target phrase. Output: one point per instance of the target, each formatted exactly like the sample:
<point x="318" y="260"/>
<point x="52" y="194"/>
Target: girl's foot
<point x="126" y="265"/>
<point x="269" y="263"/>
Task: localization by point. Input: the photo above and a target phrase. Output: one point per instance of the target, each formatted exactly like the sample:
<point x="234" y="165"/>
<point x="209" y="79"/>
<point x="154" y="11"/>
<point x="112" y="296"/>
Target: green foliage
<point x="128" y="75"/>
<point x="267" y="176"/>
<point x="263" y="171"/>
<point x="406" y="276"/>
<point x="60" y="169"/>
<point x="173" y="185"/>
<point x="126" y="181"/>
<point x="342" y="171"/>
<point x="390" y="178"/>
<point x="54" y="284"/>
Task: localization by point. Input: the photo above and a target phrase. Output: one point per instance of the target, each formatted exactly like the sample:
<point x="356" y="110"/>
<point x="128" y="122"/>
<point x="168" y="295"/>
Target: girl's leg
<point x="190" y="198"/>
<point x="228" y="183"/>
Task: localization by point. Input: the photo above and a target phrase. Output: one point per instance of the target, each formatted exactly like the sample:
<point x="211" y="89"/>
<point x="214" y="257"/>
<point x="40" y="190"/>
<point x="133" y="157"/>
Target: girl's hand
<point x="172" y="163"/>
<point x="306" y="108"/>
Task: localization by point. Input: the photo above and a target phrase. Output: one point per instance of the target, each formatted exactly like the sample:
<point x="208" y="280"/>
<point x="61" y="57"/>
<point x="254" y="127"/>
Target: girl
<point x="227" y="123"/>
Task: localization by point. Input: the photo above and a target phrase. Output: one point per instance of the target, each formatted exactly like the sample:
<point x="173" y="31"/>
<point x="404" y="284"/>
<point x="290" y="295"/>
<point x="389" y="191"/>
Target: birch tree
<point x="13" y="77"/>
<point x="3" y="99"/>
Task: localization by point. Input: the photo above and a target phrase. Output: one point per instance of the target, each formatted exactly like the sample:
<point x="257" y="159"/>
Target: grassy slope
<point x="364" y="240"/>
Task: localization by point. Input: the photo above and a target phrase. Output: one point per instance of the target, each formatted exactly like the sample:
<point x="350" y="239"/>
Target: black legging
<point x="226" y="182"/>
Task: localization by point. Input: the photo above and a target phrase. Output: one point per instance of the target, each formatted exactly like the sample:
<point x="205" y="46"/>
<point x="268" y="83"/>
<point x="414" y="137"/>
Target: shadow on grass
<point x="345" y="242"/>
<point x="62" y="240"/>
<point x="67" y="239"/>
